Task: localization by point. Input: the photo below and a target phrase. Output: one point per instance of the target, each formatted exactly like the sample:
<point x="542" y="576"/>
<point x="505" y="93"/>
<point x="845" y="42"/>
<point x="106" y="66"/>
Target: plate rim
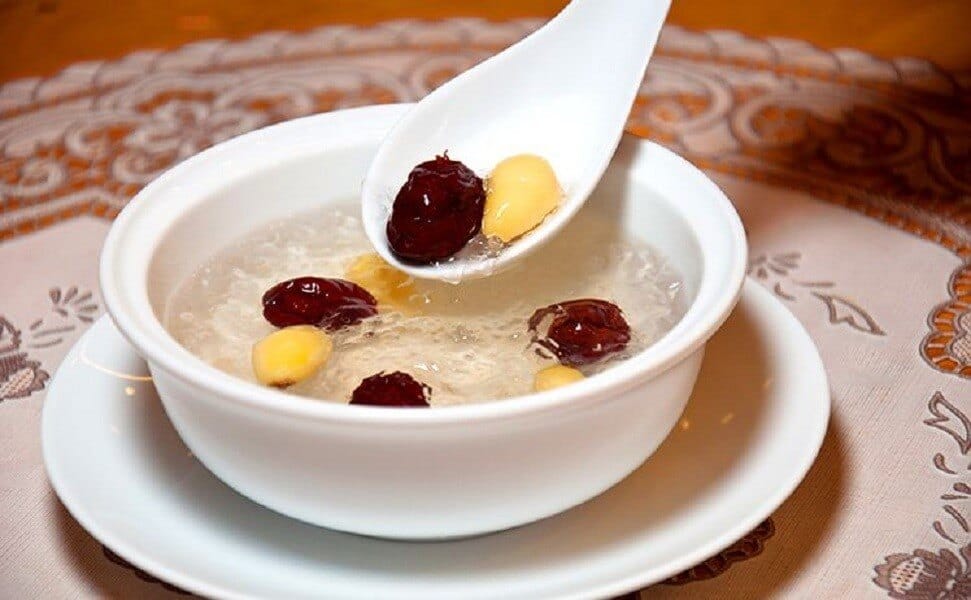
<point x="635" y="581"/>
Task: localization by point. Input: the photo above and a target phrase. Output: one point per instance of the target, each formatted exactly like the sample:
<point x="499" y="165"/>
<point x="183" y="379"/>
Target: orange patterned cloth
<point x="852" y="175"/>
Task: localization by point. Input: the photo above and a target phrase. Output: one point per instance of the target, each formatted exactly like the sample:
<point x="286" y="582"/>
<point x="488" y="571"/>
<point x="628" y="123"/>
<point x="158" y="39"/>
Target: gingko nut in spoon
<point x="521" y="191"/>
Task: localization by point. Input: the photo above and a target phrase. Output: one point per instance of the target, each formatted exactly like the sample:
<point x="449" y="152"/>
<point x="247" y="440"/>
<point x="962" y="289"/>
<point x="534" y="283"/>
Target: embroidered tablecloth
<point x="852" y="175"/>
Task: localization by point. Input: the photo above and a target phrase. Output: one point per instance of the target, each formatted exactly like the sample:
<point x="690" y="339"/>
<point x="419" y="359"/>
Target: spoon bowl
<point x="563" y="93"/>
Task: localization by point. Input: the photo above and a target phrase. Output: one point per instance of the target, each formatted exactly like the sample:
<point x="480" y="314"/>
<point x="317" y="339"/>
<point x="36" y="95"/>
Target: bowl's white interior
<point x="309" y="180"/>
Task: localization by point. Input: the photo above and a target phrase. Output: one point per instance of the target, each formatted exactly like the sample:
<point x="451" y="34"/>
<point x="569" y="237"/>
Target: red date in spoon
<point x="436" y="212"/>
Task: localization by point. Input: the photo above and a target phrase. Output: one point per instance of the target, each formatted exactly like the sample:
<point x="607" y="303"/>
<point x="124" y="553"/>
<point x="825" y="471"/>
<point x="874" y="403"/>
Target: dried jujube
<point x="399" y="390"/>
<point x="436" y="212"/>
<point x="328" y="303"/>
<point x="581" y="331"/>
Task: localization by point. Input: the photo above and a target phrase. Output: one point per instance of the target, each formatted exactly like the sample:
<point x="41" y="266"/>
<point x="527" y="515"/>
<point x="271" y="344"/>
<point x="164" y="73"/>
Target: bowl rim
<point x="127" y="301"/>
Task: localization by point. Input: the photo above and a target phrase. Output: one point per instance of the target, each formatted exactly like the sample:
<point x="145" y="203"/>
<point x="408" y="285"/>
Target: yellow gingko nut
<point x="389" y="286"/>
<point x="520" y="192"/>
<point x="554" y="377"/>
<point x="290" y="355"/>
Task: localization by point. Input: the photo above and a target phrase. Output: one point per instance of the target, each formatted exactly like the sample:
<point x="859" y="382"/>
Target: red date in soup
<point x="581" y="331"/>
<point x="328" y="303"/>
<point x="396" y="389"/>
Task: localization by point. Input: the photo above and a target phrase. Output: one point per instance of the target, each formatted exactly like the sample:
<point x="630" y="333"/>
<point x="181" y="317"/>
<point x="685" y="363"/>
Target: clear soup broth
<point x="468" y="342"/>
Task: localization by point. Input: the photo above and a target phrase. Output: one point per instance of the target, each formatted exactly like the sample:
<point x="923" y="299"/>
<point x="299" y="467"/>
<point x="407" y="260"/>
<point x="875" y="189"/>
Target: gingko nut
<point x="520" y="192"/>
<point x="290" y="355"/>
<point x="554" y="377"/>
<point x="389" y="286"/>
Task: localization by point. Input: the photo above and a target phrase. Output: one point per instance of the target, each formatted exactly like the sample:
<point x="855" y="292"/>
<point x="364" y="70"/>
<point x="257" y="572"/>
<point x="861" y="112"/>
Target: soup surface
<point x="468" y="342"/>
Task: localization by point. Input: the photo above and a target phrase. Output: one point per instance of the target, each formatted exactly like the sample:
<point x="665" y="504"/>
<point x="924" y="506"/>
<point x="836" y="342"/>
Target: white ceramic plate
<point x="751" y="431"/>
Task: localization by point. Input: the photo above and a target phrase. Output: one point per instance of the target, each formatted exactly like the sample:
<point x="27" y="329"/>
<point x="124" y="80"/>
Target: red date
<point x="581" y="331"/>
<point x="328" y="303"/>
<point x="398" y="390"/>
<point x="436" y="212"/>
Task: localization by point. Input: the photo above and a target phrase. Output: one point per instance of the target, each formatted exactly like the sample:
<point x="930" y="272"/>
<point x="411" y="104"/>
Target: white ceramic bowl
<point x="415" y="474"/>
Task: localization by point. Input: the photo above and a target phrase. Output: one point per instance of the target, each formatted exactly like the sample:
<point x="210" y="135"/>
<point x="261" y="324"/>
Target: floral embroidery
<point x="775" y="271"/>
<point x="952" y="421"/>
<point x="9" y="336"/>
<point x="923" y="575"/>
<point x="948" y="345"/>
<point x="19" y="375"/>
<point x="180" y="126"/>
<point x="95" y="163"/>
